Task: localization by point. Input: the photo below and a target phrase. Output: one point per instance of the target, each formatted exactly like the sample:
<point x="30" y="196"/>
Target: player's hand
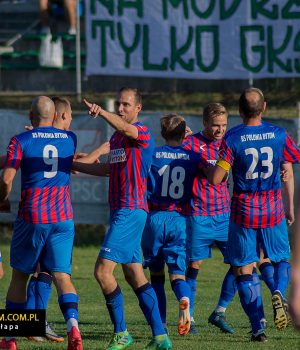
<point x="5" y="206"/>
<point x="79" y="155"/>
<point x="290" y="217"/>
<point x="94" y="109"/>
<point x="284" y="175"/>
<point x="28" y="127"/>
<point x="188" y="131"/>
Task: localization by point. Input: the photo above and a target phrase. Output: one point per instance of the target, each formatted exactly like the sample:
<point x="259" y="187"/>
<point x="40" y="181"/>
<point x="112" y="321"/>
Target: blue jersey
<point x="171" y="177"/>
<point x="255" y="154"/>
<point x="45" y="155"/>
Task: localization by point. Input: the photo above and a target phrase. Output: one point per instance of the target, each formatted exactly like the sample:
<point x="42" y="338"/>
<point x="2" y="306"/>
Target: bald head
<point x="42" y="111"/>
<point x="252" y="103"/>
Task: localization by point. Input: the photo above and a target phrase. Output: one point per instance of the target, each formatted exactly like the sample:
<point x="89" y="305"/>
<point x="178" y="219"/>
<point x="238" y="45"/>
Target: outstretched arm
<point x="94" y="155"/>
<point x="100" y="169"/>
<point x="114" y="120"/>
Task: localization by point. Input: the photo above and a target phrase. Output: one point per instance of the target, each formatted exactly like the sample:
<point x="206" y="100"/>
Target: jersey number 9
<point x="50" y="157"/>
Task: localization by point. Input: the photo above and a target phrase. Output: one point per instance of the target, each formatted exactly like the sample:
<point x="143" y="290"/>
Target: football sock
<point x="248" y="298"/>
<point x="181" y="288"/>
<point x="191" y="279"/>
<point x="149" y="306"/>
<point x="158" y="284"/>
<point x="31" y="293"/>
<point x="10" y="305"/>
<point x="282" y="272"/>
<point x="115" y="306"/>
<point x="228" y="290"/>
<point x="43" y="290"/>
<point x="69" y="307"/>
<point x="257" y="285"/>
<point x="267" y="274"/>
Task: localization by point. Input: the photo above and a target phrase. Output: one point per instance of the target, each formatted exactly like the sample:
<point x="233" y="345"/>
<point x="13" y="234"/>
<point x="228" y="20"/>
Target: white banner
<point x="195" y="39"/>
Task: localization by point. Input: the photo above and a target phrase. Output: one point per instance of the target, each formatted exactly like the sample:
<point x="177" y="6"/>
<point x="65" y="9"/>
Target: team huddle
<point x="172" y="201"/>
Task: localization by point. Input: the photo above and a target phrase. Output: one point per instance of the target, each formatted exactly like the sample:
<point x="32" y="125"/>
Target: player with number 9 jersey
<point x="45" y="156"/>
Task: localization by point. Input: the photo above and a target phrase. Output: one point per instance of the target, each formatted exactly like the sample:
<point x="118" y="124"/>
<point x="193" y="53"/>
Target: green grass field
<point x="96" y="328"/>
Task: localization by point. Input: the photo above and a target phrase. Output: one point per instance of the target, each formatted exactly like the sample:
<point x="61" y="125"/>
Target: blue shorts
<point x="122" y="242"/>
<point x="203" y="232"/>
<point x="0" y="257"/>
<point x="164" y="241"/>
<point x="48" y="244"/>
<point x="244" y="244"/>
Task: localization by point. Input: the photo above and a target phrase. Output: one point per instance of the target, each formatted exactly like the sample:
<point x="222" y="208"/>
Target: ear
<point x="264" y="107"/>
<point x="139" y="107"/>
<point x="63" y="116"/>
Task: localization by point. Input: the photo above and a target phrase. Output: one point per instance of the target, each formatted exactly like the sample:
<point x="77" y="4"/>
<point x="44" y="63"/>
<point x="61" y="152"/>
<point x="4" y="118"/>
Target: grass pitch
<point x="96" y="327"/>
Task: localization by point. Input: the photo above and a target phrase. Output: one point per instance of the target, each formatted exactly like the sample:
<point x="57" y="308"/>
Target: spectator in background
<point x="70" y="12"/>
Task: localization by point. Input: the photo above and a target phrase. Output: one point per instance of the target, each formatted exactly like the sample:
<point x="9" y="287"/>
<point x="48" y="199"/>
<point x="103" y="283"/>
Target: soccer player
<point x="295" y="279"/>
<point x="164" y="239"/>
<point x="40" y="284"/>
<point x="44" y="229"/>
<point x="208" y="213"/>
<point x="254" y="151"/>
<point x="131" y="148"/>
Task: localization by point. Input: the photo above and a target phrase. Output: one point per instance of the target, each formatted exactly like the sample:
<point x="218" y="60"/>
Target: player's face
<point x="127" y="107"/>
<point x="215" y="127"/>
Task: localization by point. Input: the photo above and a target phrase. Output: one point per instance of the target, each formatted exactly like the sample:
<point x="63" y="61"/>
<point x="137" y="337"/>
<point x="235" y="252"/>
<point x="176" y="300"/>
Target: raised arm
<point x="114" y="120"/>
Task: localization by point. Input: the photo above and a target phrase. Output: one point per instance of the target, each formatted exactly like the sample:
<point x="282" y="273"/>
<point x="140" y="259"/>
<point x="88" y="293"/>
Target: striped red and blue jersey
<point x="171" y="177"/>
<point x="207" y="200"/>
<point x="45" y="156"/>
<point x="130" y="162"/>
<point x="255" y="154"/>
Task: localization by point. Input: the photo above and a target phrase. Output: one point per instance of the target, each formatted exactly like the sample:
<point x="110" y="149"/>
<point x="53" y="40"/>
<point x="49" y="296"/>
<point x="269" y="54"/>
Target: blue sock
<point x="282" y="271"/>
<point x="158" y="284"/>
<point x="43" y="290"/>
<point x="191" y="280"/>
<point x="30" y="304"/>
<point x="10" y="305"/>
<point x="228" y="289"/>
<point x="149" y="306"/>
<point x="257" y="285"/>
<point x="248" y="300"/>
<point x="267" y="273"/>
<point x="181" y="288"/>
<point x="69" y="306"/>
<point x="115" y="306"/>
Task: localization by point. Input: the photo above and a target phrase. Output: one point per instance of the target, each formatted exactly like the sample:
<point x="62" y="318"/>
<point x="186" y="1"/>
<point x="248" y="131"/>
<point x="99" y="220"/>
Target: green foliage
<point x="96" y="327"/>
